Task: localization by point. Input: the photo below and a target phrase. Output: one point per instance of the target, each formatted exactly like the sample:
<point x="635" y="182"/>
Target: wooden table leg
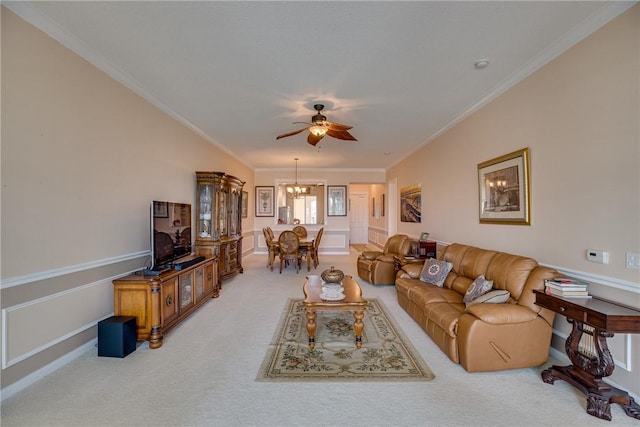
<point x="358" y="326"/>
<point x="587" y="371"/>
<point x="598" y="400"/>
<point x="311" y="327"/>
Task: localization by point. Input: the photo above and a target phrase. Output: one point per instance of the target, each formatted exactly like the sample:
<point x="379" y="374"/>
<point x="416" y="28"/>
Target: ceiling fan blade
<point x="341" y="134"/>
<point x="337" y="126"/>
<point x="295" y="132"/>
<point x="313" y="139"/>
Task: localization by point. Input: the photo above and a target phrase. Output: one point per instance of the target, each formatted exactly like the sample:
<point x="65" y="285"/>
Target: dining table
<point x="305" y="246"/>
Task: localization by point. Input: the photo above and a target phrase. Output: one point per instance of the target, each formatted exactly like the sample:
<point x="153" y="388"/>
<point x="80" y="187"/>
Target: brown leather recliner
<point x="379" y="268"/>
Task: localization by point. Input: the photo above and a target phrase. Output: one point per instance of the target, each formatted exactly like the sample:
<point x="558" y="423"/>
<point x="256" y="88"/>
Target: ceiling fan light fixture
<point x="318" y="130"/>
<point x="319" y="127"/>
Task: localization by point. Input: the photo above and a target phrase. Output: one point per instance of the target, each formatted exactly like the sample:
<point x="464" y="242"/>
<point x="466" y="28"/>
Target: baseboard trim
<point x="35" y="376"/>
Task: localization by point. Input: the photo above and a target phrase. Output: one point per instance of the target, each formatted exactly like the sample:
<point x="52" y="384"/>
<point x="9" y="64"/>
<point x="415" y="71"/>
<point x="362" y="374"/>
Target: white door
<point x="359" y="218"/>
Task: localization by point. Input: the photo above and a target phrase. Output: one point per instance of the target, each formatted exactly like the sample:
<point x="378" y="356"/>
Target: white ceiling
<point x="240" y="72"/>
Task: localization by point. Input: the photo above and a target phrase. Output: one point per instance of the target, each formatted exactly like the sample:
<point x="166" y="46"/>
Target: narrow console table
<point x="593" y="321"/>
<point x="161" y="302"/>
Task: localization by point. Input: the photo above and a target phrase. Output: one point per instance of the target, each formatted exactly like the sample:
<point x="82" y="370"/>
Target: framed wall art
<point x="411" y="204"/>
<point x="503" y="189"/>
<point x="337" y="200"/>
<point x="265" y="201"/>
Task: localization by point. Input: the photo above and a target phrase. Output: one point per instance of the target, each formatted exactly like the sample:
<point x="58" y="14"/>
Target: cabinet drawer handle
<point x="169" y="300"/>
<point x="563" y="309"/>
<point x="210" y="276"/>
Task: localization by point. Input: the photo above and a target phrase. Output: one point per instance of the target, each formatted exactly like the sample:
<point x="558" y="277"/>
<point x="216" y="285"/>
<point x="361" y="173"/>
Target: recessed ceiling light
<point x="386" y="153"/>
<point x="481" y="64"/>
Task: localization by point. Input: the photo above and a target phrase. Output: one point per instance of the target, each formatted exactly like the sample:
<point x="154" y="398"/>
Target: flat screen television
<point x="170" y="233"/>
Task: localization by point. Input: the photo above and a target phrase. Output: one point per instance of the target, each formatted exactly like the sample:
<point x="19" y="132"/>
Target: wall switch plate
<point x="596" y="255"/>
<point x="633" y="260"/>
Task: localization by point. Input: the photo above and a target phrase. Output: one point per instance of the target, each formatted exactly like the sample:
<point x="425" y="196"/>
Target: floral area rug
<point x="386" y="354"/>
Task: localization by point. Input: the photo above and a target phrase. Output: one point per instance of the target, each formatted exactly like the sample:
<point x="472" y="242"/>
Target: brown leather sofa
<point x="482" y="337"/>
<point x="379" y="267"/>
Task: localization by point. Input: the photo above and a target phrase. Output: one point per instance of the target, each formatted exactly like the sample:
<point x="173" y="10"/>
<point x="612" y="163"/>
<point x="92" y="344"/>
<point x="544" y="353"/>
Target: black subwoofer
<point x="116" y="336"/>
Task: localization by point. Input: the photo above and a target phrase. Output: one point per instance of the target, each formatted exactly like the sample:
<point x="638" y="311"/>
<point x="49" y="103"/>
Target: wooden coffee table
<point x="352" y="301"/>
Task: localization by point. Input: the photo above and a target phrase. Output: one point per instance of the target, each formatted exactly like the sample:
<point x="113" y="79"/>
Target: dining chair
<point x="316" y="246"/>
<point x="306" y="252"/>
<point x="270" y="231"/>
<point x="289" y="243"/>
<point x="300" y="231"/>
<point x="272" y="246"/>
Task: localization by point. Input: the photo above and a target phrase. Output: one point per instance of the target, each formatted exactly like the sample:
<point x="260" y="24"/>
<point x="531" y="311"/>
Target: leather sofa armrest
<point x="502" y="314"/>
<point x="411" y="271"/>
<point x="370" y="255"/>
<point x="386" y="258"/>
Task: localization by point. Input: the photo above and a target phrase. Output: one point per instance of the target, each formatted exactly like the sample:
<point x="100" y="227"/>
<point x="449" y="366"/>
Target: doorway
<point x="359" y="218"/>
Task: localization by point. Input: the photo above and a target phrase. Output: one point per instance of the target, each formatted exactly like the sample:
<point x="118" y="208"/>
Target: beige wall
<point x="579" y="115"/>
<point x="82" y="158"/>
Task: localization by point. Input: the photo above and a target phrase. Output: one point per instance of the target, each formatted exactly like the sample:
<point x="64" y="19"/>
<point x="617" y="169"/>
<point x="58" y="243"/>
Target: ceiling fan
<point x="320" y="126"/>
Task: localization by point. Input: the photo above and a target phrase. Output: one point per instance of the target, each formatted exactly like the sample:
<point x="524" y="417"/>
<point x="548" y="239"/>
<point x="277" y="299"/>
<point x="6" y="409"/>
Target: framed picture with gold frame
<point x="503" y="189"/>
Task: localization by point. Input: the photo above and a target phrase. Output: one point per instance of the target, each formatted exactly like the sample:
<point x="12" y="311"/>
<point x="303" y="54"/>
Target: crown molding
<point x="599" y="18"/>
<point x="360" y="170"/>
<point x="41" y="21"/>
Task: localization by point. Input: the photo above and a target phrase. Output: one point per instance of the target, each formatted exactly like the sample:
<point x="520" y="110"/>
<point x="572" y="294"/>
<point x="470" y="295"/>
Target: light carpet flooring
<point x="205" y="373"/>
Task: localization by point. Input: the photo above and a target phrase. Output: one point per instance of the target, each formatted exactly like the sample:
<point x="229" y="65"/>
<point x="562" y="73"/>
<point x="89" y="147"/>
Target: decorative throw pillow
<point x="435" y="271"/>
<point x="479" y="287"/>
<point x="492" y="297"/>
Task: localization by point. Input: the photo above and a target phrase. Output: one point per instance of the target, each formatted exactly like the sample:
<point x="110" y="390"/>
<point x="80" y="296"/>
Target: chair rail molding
<point x="49" y="274"/>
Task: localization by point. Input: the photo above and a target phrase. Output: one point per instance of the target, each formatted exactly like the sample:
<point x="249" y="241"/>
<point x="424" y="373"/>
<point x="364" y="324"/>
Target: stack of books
<point x="566" y="288"/>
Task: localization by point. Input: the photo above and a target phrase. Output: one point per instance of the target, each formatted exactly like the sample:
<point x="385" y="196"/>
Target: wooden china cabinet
<point x="219" y="221"/>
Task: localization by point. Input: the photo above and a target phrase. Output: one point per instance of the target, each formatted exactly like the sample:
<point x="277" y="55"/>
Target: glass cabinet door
<point x="233" y="212"/>
<point x="222" y="213"/>
<point x="186" y="290"/>
<point x="205" y="211"/>
<point x="199" y="283"/>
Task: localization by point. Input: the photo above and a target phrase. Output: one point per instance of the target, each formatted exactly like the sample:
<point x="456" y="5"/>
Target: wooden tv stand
<point x="161" y="302"/>
<point x="595" y="320"/>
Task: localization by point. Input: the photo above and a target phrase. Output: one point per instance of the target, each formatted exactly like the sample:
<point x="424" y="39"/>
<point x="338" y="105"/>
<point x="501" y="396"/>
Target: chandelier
<point x="295" y="191"/>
